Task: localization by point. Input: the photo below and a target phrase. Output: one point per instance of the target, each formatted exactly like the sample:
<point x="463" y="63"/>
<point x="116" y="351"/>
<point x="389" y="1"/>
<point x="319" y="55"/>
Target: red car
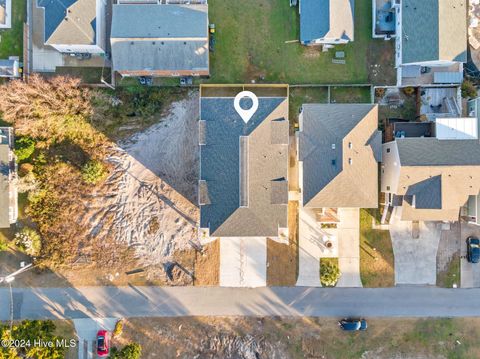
<point x="102" y="343"/>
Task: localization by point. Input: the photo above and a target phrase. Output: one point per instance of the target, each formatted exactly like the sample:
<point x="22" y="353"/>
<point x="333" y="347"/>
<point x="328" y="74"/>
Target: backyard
<point x="256" y="41"/>
<point x="11" y="40"/>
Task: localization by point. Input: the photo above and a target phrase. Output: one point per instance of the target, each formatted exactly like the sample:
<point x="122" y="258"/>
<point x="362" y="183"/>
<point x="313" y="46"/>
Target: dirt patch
<point x="207" y="265"/>
<point x="282" y="259"/>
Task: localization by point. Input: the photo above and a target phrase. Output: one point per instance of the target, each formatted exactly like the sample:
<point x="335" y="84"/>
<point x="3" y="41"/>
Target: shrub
<point x="118" y="328"/>
<point x="93" y="172"/>
<point x="29" y="240"/>
<point x="409" y="91"/>
<point x="24" y="148"/>
<point x="468" y="89"/>
<point x="3" y="245"/>
<point x="129" y="351"/>
<point x="379" y="92"/>
<point x="25" y="168"/>
<point x="329" y="273"/>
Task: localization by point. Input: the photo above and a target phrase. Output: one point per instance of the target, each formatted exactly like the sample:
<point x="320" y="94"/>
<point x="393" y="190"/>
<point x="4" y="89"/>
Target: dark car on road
<point x="473" y="249"/>
<point x="352" y="324"/>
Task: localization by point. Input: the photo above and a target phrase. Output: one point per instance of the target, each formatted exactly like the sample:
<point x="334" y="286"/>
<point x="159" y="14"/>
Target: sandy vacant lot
<point x="150" y="200"/>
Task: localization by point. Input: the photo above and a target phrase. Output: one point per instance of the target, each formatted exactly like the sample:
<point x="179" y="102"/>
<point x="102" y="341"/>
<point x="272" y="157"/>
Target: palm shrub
<point x="329" y="273"/>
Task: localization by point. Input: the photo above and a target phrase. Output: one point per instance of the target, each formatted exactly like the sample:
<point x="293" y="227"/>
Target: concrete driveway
<point x="415" y="259"/>
<point x="348" y="233"/>
<point x="243" y="262"/>
<point x="87" y="329"/>
<point x="470" y="272"/>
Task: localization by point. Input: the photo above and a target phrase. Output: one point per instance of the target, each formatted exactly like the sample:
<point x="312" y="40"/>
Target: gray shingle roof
<point x="434" y="152"/>
<point x="160" y="21"/>
<point x="434" y="30"/>
<point x="427" y="193"/>
<point x="220" y="169"/>
<point x="160" y="37"/>
<point x="321" y="142"/>
<point x="66" y="21"/>
<point x="155" y="55"/>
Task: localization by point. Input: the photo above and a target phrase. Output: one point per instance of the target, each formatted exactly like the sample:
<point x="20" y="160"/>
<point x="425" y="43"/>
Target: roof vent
<point x="334" y="162"/>
<point x="333" y="146"/>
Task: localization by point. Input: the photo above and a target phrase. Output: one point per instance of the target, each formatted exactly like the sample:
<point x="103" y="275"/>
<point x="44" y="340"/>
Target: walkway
<point x="115" y="302"/>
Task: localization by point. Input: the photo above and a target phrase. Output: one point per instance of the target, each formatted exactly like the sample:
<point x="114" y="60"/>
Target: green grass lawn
<point x="350" y="95"/>
<point x="11" y="42"/>
<point x="251" y="36"/>
<point x="451" y="275"/>
<point x="376" y="254"/>
<point x="301" y="95"/>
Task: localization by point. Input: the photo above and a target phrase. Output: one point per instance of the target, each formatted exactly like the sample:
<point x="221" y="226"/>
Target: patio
<point x="414" y="75"/>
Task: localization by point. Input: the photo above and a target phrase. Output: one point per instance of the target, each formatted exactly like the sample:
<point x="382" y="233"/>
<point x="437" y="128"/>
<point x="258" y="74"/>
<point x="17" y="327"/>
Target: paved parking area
<point x="243" y="262"/>
<point x="470" y="272"/>
<point x="415" y="259"/>
<point x="87" y="329"/>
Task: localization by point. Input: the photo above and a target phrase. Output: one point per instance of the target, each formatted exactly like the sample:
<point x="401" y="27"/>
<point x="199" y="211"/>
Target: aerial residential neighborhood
<point x="239" y="179"/>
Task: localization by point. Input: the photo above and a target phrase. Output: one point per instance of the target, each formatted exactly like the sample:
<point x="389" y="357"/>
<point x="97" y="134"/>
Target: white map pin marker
<point x="246" y="115"/>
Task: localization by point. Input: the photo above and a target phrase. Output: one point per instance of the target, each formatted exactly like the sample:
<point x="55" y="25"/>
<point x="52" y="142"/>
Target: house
<point x="74" y="26"/>
<point x="431" y="41"/>
<point x="326" y="22"/>
<point x="243" y="188"/>
<point x="160" y="40"/>
<point x="432" y="178"/>
<point x="8" y="191"/>
<point x="339" y="151"/>
<point x="5" y="14"/>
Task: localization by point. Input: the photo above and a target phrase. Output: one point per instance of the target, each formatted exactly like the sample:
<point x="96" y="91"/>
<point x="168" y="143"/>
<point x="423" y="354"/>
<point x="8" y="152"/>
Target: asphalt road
<point x="83" y="302"/>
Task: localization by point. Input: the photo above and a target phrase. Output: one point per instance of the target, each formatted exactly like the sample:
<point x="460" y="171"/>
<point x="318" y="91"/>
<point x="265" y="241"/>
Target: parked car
<point x="211" y="43"/>
<point x="352" y="324"/>
<point x="473" y="249"/>
<point x="103" y="344"/>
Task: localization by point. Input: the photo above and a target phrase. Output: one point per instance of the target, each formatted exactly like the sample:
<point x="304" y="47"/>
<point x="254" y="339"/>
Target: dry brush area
<point x="111" y="178"/>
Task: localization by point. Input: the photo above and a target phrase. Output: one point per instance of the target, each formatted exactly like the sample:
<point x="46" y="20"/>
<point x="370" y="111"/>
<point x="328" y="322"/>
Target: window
<point x="388" y="150"/>
<point x="350" y="145"/>
<point x="388" y="188"/>
<point x="350" y="161"/>
<point x="333" y="146"/>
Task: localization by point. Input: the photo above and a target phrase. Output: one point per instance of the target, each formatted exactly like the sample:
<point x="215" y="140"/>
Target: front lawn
<point x="254" y="41"/>
<point x="376" y="254"/>
<point x="11" y="40"/>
